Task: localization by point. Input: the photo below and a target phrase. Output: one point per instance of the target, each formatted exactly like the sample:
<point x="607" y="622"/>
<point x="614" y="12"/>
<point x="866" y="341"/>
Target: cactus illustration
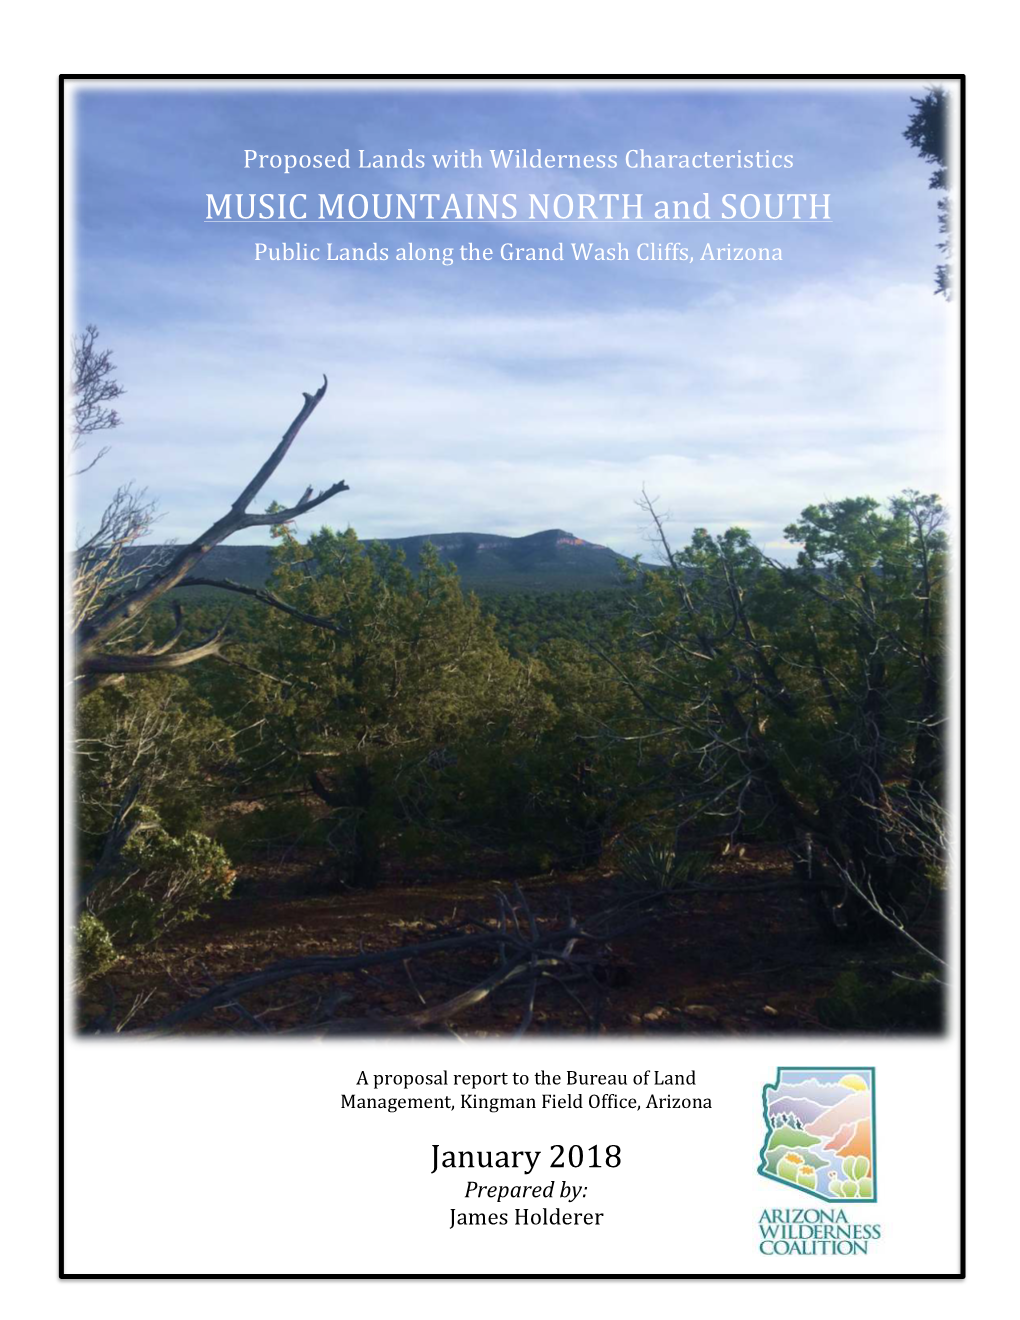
<point x="788" y="1169"/>
<point x="806" y="1178"/>
<point x="857" y="1169"/>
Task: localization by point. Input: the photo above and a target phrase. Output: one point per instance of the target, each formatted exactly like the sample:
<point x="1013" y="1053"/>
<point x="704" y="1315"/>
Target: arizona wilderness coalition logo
<point x="819" y="1139"/>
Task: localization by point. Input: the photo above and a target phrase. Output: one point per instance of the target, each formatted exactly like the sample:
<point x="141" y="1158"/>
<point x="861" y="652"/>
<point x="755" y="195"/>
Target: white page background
<point x="261" y="1171"/>
<point x="102" y="1106"/>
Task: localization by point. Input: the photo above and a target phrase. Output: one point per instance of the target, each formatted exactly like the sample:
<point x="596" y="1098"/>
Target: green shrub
<point x="94" y="953"/>
<point x="162" y="882"/>
<point x="287" y="821"/>
<point x="153" y="734"/>
<point x="902" y="1004"/>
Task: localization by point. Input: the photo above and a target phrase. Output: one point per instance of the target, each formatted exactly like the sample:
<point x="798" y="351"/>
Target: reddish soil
<point x="734" y="963"/>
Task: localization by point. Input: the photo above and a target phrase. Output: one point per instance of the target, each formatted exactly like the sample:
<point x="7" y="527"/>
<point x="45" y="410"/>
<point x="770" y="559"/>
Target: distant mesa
<point x="553" y="560"/>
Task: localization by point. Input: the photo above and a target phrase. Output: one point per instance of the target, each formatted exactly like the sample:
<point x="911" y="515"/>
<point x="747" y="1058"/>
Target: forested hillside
<point x="352" y="794"/>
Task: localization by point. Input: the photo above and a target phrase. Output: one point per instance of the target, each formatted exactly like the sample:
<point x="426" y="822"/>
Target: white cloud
<point x="442" y="417"/>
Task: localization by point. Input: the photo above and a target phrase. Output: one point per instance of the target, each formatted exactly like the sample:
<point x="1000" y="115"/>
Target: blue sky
<point x="511" y="397"/>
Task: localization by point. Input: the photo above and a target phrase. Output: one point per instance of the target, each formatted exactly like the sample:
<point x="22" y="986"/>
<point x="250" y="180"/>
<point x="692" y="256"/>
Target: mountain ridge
<point x="549" y="560"/>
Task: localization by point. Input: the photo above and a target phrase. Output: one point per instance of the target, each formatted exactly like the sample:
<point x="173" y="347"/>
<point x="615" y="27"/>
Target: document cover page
<point x="512" y="555"/>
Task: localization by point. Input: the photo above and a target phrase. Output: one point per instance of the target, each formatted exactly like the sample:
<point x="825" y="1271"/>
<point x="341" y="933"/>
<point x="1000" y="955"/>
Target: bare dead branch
<point x="96" y="666"/>
<point x="265" y="597"/>
<point x="526" y="955"/>
<point x="126" y="823"/>
<point x="111" y="616"/>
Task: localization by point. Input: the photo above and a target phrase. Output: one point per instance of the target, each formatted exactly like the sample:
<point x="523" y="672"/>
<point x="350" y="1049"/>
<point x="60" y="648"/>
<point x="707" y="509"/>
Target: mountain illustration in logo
<point x="820" y="1132"/>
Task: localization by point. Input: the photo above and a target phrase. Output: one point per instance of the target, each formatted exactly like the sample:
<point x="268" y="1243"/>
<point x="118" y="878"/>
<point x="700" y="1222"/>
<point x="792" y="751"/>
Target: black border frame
<point x="959" y="293"/>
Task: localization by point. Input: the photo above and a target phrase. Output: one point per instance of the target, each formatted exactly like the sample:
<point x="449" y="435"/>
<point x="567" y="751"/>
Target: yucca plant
<point x="659" y="866"/>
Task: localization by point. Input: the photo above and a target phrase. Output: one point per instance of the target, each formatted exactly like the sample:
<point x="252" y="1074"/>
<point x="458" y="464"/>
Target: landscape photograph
<point x="523" y="644"/>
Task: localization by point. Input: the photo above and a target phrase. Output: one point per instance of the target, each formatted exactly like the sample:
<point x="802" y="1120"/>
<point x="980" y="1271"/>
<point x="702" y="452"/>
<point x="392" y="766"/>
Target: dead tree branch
<point x="266" y="597"/>
<point x="527" y="953"/>
<point x="97" y="628"/>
